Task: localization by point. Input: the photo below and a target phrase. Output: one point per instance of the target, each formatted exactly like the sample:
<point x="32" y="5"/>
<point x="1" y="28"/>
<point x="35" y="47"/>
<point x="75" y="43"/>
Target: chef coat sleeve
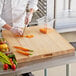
<point x="2" y="22"/>
<point x="33" y="4"/>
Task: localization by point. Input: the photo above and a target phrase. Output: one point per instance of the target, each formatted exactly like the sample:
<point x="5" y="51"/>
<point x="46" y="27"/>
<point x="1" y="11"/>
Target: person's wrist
<point x="31" y="11"/>
<point x="28" y="14"/>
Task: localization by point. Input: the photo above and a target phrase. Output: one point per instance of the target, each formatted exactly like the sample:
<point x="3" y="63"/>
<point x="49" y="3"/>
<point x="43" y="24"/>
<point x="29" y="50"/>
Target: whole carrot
<point x="21" y="48"/>
<point x="24" y="53"/>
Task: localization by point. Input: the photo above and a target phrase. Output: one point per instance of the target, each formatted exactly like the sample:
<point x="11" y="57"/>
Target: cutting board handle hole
<point x="48" y="55"/>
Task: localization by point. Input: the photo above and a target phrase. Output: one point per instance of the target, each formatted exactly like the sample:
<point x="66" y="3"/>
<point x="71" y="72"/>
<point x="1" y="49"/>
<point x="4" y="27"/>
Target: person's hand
<point x="28" y="18"/>
<point x="16" y="30"/>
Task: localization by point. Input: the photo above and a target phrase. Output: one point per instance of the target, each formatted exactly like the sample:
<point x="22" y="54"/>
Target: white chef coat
<point x="13" y="12"/>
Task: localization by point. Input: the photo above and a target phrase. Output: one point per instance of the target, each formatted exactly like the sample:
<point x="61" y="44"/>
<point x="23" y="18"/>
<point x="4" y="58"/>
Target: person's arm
<point x="32" y="5"/>
<point x="14" y="30"/>
<point x="3" y="24"/>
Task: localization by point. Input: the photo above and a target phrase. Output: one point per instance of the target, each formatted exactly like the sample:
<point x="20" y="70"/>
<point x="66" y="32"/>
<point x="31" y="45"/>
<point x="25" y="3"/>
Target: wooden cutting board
<point x="44" y="45"/>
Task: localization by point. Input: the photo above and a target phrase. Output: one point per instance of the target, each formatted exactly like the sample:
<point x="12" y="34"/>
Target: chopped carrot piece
<point x="24" y="53"/>
<point x="43" y="30"/>
<point x="19" y="35"/>
<point x="21" y="48"/>
<point x="29" y="36"/>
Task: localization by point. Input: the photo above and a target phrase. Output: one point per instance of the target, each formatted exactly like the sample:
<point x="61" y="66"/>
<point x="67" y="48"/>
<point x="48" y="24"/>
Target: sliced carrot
<point x="24" y="53"/>
<point x="43" y="30"/>
<point x="21" y="48"/>
<point x="29" y="36"/>
<point x="19" y="35"/>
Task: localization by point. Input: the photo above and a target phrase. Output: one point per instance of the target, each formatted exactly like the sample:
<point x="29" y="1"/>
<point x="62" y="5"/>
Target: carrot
<point x="29" y="36"/>
<point x="43" y="30"/>
<point x="19" y="35"/>
<point x="24" y="53"/>
<point x="21" y="48"/>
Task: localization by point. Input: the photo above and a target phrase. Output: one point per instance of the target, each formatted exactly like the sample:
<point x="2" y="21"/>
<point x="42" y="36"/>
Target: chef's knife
<point x="24" y="29"/>
<point x="25" y="26"/>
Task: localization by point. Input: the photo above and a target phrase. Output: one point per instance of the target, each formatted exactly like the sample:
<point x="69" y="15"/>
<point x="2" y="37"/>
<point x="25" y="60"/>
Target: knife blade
<point x="24" y="29"/>
<point x="26" y="24"/>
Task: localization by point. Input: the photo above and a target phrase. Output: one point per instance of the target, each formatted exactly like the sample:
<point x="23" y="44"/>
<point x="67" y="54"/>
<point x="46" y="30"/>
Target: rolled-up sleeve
<point x="2" y="22"/>
<point x="33" y="4"/>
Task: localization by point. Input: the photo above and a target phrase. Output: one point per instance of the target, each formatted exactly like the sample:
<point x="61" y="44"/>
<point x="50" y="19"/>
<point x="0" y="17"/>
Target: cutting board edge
<point x="70" y="51"/>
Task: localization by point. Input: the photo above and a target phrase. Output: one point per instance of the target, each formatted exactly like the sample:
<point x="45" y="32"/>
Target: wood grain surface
<point x="44" y="45"/>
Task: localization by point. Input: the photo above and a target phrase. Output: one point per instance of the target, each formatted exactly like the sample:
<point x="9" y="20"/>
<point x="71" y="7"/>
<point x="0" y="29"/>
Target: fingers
<point x="16" y="31"/>
<point x="20" y="31"/>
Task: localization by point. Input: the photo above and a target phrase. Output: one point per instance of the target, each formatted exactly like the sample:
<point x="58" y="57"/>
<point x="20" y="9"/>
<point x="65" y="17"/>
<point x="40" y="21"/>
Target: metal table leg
<point x="54" y="23"/>
<point x="69" y="4"/>
<point x="45" y="72"/>
<point x="67" y="69"/>
<point x="69" y="7"/>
